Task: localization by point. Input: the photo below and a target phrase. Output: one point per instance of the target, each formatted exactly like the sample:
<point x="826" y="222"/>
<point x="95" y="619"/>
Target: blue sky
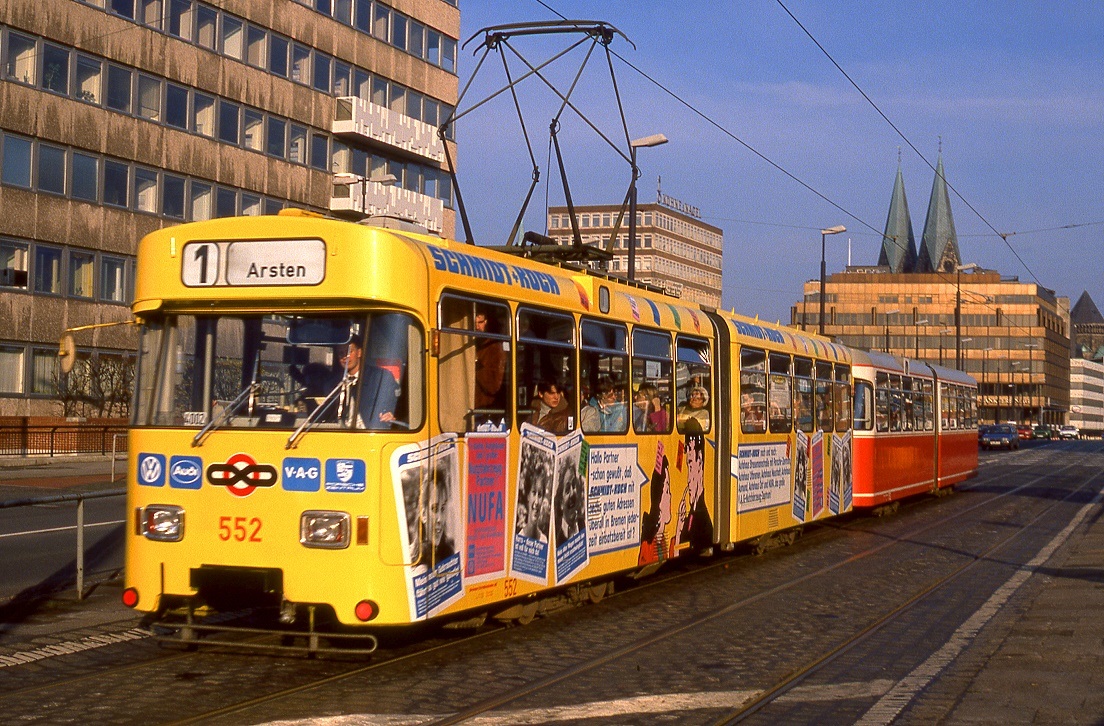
<point x="1014" y="89"/>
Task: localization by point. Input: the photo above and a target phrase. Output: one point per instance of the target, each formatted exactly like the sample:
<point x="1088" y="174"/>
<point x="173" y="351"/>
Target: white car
<point x="1069" y="432"/>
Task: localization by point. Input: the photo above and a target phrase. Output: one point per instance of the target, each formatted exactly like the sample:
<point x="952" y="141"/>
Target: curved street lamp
<point x="824" y="233"/>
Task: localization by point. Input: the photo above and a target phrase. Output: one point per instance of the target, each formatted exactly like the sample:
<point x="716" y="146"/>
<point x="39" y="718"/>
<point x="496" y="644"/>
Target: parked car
<point x="1025" y="431"/>
<point x="982" y="428"/>
<point x="1001" y="436"/>
<point x="1043" y="432"/>
<point x="1069" y="431"/>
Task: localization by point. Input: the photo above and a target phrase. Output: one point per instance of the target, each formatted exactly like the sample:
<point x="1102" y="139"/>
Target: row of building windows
<point x="97" y="179"/>
<point x="686" y="251"/>
<point x="644" y="219"/>
<point x="69" y="271"/>
<point x="126" y="90"/>
<point x="217" y="30"/>
<point x="28" y="370"/>
<point x="876" y="317"/>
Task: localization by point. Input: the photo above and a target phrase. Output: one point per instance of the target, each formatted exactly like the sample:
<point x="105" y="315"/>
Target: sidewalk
<point x="38" y="476"/>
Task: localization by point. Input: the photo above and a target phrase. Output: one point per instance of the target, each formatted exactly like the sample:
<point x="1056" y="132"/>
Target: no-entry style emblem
<point x="241" y="474"/>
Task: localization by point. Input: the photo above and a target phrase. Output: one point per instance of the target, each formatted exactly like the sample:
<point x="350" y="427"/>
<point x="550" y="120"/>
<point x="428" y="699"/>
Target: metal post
<point x="632" y="215"/>
<point x="958" y="322"/>
<point x="80" y="549"/>
<point x="823" y="234"/>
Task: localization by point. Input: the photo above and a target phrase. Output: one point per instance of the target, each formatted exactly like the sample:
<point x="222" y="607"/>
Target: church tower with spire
<point x="898" y="244"/>
<point x="939" y="243"/>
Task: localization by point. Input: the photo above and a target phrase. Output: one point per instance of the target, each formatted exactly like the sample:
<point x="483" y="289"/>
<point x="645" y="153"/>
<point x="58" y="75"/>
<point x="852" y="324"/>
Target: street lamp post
<point x="942" y="332"/>
<point x="894" y="311"/>
<point x="823" y="234"/>
<point x="646" y="142"/>
<point x="984" y="362"/>
<point x="917" y="337"/>
<point x="958" y="312"/>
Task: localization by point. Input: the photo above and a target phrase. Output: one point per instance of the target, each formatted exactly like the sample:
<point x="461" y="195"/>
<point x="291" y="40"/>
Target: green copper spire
<point x="939" y="244"/>
<point x="898" y="244"/>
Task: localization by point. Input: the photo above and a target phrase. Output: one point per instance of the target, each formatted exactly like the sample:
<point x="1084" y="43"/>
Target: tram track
<point x="193" y="662"/>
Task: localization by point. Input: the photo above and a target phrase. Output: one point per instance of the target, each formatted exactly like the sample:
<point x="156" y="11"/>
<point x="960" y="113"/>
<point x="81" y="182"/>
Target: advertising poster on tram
<point x="801" y="476"/>
<point x="426" y="478"/>
<point x="485" y="551"/>
<point x="816" y="461"/>
<point x="533" y="507"/>
<point x="762" y="476"/>
<point x="615" y="482"/>
<point x="569" y="509"/>
<point x="839" y="489"/>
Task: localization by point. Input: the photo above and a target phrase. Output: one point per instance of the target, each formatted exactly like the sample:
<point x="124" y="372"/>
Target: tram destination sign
<point x="251" y="263"/>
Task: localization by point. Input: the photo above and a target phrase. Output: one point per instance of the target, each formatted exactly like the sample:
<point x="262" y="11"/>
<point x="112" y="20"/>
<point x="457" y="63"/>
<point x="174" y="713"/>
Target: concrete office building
<point x="119" y="117"/>
<point x="1013" y="336"/>
<point x="1087" y="396"/>
<point x="675" y="249"/>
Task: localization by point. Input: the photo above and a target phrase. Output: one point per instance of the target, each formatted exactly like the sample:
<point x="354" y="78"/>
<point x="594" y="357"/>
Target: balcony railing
<point x="367" y="121"/>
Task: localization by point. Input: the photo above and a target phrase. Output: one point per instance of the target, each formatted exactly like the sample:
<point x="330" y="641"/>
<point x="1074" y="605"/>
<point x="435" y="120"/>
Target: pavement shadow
<point x="35" y="598"/>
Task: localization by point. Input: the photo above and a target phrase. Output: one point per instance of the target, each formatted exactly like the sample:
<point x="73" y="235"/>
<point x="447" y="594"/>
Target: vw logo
<point x="151" y="469"/>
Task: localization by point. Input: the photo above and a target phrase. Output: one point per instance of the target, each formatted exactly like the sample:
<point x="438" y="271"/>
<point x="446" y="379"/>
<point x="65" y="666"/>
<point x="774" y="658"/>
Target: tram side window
<point x="929" y="414"/>
<point x="864" y="405"/>
<point x="881" y="402"/>
<point x="843" y="397"/>
<point x="948" y="406"/>
<point x="651" y="382"/>
<point x="753" y="391"/>
<point x="971" y="395"/>
<point x="960" y="400"/>
<point x="803" y="394"/>
<point x="603" y="378"/>
<point x="823" y="397"/>
<point x="693" y="380"/>
<point x="896" y="404"/>
<point x="545" y="395"/>
<point x="907" y="407"/>
<point x="779" y="394"/>
<point x="474" y="365"/>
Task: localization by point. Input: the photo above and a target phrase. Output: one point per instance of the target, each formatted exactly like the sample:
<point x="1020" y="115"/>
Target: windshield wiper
<point x="227" y="412"/>
<point x="341" y="387"/>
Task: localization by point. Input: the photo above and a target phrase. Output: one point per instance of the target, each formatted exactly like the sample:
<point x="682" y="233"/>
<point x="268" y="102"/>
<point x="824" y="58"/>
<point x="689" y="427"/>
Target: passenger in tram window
<point x="752" y="418"/>
<point x="655" y="418"/>
<point x="550" y="408"/>
<point x="693" y="417"/>
<point x="604" y="412"/>
<point x="490" y="364"/>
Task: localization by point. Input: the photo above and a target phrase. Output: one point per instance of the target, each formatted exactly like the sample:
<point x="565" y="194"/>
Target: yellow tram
<point x="377" y="428"/>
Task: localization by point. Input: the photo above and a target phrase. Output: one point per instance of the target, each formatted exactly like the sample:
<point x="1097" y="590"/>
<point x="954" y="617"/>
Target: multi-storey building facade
<point x="1087" y="396"/>
<point x="119" y="117"/>
<point x="1012" y="336"/>
<point x="675" y="249"/>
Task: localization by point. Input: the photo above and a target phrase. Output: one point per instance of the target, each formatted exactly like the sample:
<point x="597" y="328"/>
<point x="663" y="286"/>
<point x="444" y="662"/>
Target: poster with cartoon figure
<point x="694" y="529"/>
<point x="847" y="497"/>
<point x="801" y="476"/>
<point x="653" y="526"/>
<point x="835" y="480"/>
<point x="533" y="506"/>
<point x="426" y="480"/>
<point x="569" y="510"/>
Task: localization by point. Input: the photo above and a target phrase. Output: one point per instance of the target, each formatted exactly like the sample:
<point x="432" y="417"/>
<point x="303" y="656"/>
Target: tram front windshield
<point x="281" y="371"/>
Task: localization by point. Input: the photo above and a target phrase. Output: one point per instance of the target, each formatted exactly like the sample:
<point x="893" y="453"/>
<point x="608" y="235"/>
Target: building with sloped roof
<point x="1087" y="340"/>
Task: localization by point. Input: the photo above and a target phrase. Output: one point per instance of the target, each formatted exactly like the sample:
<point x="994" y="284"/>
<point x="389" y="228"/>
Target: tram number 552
<point x="239" y="529"/>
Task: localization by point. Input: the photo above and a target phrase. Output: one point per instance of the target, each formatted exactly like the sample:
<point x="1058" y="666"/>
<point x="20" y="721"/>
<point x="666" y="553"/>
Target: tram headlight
<point x="328" y="530"/>
<point x="163" y="522"/>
